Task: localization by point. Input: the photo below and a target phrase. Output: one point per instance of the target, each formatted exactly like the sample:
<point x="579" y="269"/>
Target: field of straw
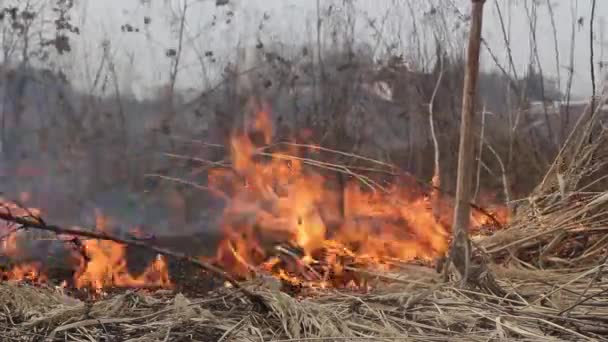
<point x="542" y="305"/>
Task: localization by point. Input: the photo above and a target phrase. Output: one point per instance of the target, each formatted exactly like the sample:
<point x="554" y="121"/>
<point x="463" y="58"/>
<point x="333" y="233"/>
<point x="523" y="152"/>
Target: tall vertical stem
<point x="461" y="244"/>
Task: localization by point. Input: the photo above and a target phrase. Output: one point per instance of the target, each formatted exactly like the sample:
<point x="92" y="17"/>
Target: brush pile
<point x="565" y="221"/>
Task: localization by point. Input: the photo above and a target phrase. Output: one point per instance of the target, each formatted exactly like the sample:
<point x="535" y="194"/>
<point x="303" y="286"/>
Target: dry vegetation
<point x="417" y="306"/>
<point x="550" y="259"/>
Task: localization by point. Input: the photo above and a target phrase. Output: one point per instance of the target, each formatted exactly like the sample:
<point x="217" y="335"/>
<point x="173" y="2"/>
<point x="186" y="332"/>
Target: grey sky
<point x="143" y="64"/>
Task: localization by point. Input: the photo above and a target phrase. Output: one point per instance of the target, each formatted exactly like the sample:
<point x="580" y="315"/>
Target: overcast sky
<point x="142" y="63"/>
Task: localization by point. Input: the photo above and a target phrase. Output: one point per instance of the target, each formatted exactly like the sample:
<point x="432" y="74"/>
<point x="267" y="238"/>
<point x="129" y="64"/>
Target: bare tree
<point x="30" y="33"/>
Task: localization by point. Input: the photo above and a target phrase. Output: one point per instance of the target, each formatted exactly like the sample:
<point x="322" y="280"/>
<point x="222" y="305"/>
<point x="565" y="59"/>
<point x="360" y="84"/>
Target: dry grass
<point x="412" y="306"/>
<point x="566" y="219"/>
<point x="551" y="262"/>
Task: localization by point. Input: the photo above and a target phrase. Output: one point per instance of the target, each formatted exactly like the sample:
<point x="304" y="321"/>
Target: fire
<point x="482" y="223"/>
<point x="274" y="200"/>
<point x="102" y="264"/>
<point x="28" y="271"/>
<point x="284" y="217"/>
<point x="106" y="265"/>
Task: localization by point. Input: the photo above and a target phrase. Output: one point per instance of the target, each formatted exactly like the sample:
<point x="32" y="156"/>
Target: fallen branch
<point x="35" y="222"/>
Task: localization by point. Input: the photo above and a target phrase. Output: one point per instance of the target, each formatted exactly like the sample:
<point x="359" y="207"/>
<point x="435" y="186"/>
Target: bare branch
<point x="532" y="15"/>
<point x="480" y="153"/>
<point x="555" y="44"/>
<point x="592" y="55"/>
<point x="436" y="180"/>
<point x="573" y="13"/>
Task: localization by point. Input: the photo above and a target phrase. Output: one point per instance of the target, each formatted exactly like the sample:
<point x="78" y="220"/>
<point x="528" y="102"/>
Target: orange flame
<point x="104" y="265"/>
<point x="107" y="265"/>
<point x="285" y="218"/>
<point x="274" y="200"/>
<point x="28" y="271"/>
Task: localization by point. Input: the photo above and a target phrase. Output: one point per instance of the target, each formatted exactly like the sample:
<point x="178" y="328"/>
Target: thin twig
<point x="480" y="154"/>
<point x="436" y="180"/>
<point x="591" y="55"/>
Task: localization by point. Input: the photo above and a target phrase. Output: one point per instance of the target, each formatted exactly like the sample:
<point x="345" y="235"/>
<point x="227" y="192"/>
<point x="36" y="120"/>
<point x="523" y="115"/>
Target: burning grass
<point x="341" y="265"/>
<point x="412" y="305"/>
<point x="287" y="214"/>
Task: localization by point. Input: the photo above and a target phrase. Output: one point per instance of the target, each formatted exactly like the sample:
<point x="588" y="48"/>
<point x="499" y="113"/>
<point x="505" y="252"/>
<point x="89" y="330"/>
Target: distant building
<point x="575" y="107"/>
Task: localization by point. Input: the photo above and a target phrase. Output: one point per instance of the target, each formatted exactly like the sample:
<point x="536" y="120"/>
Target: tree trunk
<point x="461" y="245"/>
